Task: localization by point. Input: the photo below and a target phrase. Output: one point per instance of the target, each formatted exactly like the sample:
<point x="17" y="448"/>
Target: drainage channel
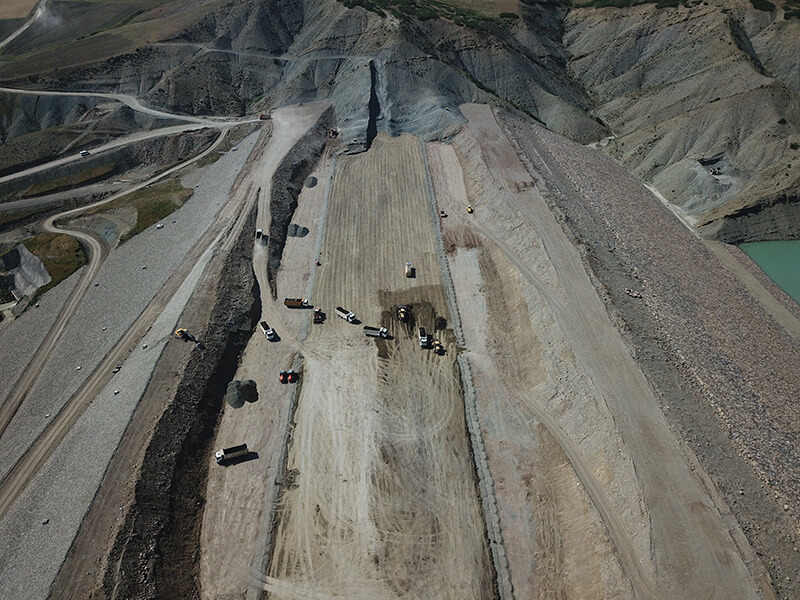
<point x="484" y="476"/>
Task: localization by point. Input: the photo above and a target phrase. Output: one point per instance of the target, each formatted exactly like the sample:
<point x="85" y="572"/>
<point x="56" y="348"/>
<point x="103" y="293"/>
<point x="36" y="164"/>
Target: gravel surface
<point x="726" y="372"/>
<point x="125" y="290"/>
<point x="65" y="486"/>
<point x="20" y="338"/>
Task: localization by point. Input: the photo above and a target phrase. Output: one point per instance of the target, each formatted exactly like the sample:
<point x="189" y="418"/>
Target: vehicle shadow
<point x="241" y="459"/>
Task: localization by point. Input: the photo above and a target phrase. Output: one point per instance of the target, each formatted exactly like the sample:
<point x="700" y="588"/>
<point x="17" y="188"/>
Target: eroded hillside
<point x="701" y="101"/>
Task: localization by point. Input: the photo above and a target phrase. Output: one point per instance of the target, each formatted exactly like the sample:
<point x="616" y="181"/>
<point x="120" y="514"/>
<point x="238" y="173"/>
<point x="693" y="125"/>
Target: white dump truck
<point x="424" y="338"/>
<point x="345" y="314"/>
<point x="268" y="331"/>
<point x="379" y="332"/>
<point x="227" y="454"/>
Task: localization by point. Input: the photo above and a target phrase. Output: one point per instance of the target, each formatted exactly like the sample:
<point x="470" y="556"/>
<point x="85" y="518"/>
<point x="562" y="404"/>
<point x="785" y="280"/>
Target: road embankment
<point x="286" y="185"/>
<point x="167" y="512"/>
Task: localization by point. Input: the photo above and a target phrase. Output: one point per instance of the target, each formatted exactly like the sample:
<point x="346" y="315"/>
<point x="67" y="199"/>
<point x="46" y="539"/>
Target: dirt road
<point x="379" y="497"/>
<point x="96" y="254"/>
<point x="237" y="519"/>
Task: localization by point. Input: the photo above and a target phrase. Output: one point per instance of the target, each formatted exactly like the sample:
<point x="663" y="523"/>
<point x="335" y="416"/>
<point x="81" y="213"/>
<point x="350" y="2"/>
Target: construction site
<point x="323" y="346"/>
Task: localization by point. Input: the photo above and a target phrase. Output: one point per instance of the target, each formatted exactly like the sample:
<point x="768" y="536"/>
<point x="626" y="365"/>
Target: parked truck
<point x="268" y="331"/>
<point x="424" y="338"/>
<point x="380" y="332"/>
<point x="227" y="454"/>
<point x="345" y="314"/>
<point x="296" y="303"/>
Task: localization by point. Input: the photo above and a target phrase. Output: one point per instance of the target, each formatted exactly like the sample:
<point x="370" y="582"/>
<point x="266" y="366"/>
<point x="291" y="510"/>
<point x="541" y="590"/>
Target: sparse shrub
<point x="782" y="121"/>
<point x="794" y="145"/>
<point x="764" y="5"/>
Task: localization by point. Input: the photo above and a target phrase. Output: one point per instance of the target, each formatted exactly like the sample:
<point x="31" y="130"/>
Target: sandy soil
<point x="379" y="498"/>
<point x="622" y="419"/>
<point x="238" y="517"/>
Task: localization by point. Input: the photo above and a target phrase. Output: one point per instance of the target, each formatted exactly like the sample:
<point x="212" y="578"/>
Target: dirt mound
<point x="286" y="185"/>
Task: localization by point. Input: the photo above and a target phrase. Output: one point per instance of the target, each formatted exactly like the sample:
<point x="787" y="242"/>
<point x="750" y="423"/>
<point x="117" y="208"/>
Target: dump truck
<point x="424" y="338"/>
<point x="380" y="332"/>
<point x="296" y="303"/>
<point x="268" y="331"/>
<point x="226" y="454"/>
<point x="409" y="270"/>
<point x="345" y="314"/>
<point x="259" y="233"/>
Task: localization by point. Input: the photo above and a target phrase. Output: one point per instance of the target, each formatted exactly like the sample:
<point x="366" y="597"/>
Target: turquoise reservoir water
<point x="780" y="261"/>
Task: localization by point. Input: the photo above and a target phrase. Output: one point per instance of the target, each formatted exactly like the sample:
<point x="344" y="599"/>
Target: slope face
<point x="703" y="101"/>
<point x="236" y="57"/>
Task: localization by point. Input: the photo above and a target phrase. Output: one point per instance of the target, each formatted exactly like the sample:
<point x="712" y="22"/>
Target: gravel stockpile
<point x="125" y="288"/>
<point x="743" y="368"/>
<point x="20" y="338"/>
<point x="64" y="488"/>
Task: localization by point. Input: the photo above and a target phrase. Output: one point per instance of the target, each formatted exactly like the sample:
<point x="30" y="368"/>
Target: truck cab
<point x="345" y="314"/>
<point x="268" y="332"/>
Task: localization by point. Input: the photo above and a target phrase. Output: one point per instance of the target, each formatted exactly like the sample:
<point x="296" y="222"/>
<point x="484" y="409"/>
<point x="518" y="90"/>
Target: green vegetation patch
<point x="764" y="5"/>
<point x="626" y="3"/>
<point x="152" y="204"/>
<point x="67" y="182"/>
<point x="61" y="254"/>
<point x="11" y="219"/>
<point x="425" y="10"/>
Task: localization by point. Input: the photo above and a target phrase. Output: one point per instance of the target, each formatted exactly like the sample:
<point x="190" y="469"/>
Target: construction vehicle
<point x="289" y="376"/>
<point x="424" y="338"/>
<point x="296" y="303"/>
<point x="319" y="316"/>
<point x="228" y="454"/>
<point x="263" y="117"/>
<point x="268" y="331"/>
<point x="442" y="214"/>
<point x="438" y="348"/>
<point x="410" y="271"/>
<point x="345" y="314"/>
<point x="469" y="209"/>
<point x="402" y="313"/>
<point x="380" y="332"/>
<point x="183" y="334"/>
